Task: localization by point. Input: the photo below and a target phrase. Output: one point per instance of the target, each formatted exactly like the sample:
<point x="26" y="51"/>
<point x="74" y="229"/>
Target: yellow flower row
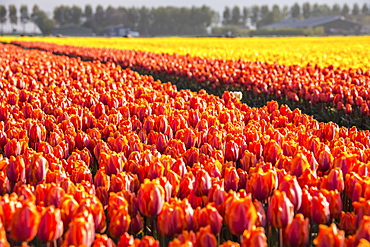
<point x="343" y="52"/>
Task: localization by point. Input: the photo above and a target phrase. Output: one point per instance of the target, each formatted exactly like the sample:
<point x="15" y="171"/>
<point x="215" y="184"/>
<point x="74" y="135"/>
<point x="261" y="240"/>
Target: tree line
<point x="169" y="20"/>
<point x="263" y="15"/>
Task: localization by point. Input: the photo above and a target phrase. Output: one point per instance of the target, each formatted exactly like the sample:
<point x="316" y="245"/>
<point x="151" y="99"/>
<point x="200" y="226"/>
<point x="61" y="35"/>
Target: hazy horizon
<point x="217" y="5"/>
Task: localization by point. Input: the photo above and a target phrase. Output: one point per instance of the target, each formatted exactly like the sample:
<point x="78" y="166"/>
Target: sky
<point x="218" y="5"/>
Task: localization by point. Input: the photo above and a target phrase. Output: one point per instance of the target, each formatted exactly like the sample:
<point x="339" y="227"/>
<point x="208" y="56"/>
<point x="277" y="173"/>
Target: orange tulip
<point x="12" y="148"/>
<point x="103" y="241"/>
<point x="240" y="208"/>
<point x="348" y="222"/>
<point x="202" y="183"/>
<point x="119" y="223"/>
<point x="254" y="237"/>
<point x="231" y="179"/>
<point x="292" y="189"/>
<point x="15" y="170"/>
<point x="262" y="184"/>
<point x="37" y="169"/>
<point x="205" y="238"/>
<point x="151" y="197"/>
<point x="272" y="152"/>
<point x="280" y="210"/>
<point x="320" y="212"/>
<point x="25" y="222"/>
<point x="329" y="236"/>
<point x="114" y="164"/>
<point x="81" y="231"/>
<point x="171" y="220"/>
<point x="51" y="224"/>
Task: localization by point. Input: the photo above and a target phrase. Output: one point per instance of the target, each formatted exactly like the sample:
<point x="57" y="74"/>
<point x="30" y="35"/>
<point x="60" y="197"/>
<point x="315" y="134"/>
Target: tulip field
<point x="95" y="150"/>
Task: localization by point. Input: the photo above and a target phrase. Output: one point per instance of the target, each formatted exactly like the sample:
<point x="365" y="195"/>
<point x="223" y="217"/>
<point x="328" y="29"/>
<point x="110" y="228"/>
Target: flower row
<point x="325" y="89"/>
<point x="107" y="154"/>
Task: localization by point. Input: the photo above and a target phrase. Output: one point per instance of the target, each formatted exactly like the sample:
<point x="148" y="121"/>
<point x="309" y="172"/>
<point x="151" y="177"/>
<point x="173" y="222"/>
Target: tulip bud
<point x="272" y="152"/>
<point x="12" y="148"/>
<point x="126" y="240"/>
<point x="335" y="180"/>
<point x="51" y="224"/>
<point x="36" y="171"/>
<point x="25" y="223"/>
<point x="280" y="210"/>
<point x="151" y="197"/>
<point x="296" y="233"/>
<point x="329" y="236"/>
<point x="114" y="164"/>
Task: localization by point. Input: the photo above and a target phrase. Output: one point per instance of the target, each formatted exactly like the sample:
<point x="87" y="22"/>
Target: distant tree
<point x="255" y="15"/>
<point x="235" y="15"/>
<point x="42" y="21"/>
<point x="25" y="17"/>
<point x="295" y="11"/>
<point x="285" y="12"/>
<point x="63" y="15"/>
<point x="226" y="16"/>
<point x="76" y="15"/>
<point x="13" y="15"/>
<point x="324" y="10"/>
<point x="99" y="19"/>
<point x="276" y="13"/>
<point x="264" y="11"/>
<point x="306" y="10"/>
<point x="2" y="17"/>
<point x="145" y="20"/>
<point x="345" y="9"/>
<point x="88" y="14"/>
<point x="355" y="9"/>
<point x="315" y="10"/>
<point x="335" y="10"/>
<point x="245" y="16"/>
<point x="365" y="9"/>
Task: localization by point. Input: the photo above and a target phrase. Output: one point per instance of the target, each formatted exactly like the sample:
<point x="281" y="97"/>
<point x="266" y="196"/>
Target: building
<point x="333" y="25"/>
<point x="72" y="30"/>
<point x="120" y="31"/>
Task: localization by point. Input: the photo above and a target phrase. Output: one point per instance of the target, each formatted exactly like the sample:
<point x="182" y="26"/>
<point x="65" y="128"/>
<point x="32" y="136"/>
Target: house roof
<point x="310" y="22"/>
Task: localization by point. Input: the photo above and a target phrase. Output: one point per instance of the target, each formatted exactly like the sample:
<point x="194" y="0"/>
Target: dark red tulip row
<point x="99" y="156"/>
<point x="332" y="94"/>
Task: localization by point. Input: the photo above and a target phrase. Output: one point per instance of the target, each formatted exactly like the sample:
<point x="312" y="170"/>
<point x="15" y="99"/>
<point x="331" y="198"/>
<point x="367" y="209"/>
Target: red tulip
<point x="280" y="210"/>
<point x="232" y="151"/>
<point x="25" y="223"/>
<point x="329" y="236"/>
<point x="299" y="164"/>
<point x="68" y="208"/>
<point x="151" y="197"/>
<point x="297" y="232"/>
<point x="51" y="224"/>
<point x="114" y="164"/>
<point x="335" y="202"/>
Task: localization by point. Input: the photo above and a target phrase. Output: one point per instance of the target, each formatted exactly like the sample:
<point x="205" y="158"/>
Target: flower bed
<point x="99" y="156"/>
